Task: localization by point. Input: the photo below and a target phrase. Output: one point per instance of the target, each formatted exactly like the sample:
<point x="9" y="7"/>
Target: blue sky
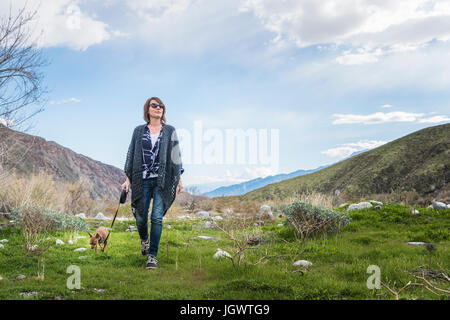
<point x="331" y="77"/>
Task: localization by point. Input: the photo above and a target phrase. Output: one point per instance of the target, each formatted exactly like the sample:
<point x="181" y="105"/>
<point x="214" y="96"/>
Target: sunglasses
<point x="155" y="105"/>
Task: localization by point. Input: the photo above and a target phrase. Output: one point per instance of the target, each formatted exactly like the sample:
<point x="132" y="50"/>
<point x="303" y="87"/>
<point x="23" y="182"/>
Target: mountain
<point x="247" y="186"/>
<point x="417" y="162"/>
<point x="243" y="187"/>
<point x="27" y="154"/>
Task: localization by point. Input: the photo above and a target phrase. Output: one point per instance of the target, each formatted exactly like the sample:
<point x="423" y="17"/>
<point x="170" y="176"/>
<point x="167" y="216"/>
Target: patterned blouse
<point x="150" y="153"/>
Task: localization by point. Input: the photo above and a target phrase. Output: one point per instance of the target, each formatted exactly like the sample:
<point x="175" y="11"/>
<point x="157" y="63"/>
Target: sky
<point x="309" y="81"/>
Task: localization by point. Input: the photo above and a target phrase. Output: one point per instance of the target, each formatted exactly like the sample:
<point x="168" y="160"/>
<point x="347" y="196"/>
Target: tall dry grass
<point x="42" y="190"/>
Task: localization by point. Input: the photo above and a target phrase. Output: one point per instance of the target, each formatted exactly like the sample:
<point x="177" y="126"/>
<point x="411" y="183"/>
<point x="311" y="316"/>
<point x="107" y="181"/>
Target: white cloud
<point x="435" y="119"/>
<point x="65" y="101"/>
<point x="347" y="149"/>
<point x="369" y="28"/>
<point x="385" y="106"/>
<point x="7" y="122"/>
<point x="63" y="23"/>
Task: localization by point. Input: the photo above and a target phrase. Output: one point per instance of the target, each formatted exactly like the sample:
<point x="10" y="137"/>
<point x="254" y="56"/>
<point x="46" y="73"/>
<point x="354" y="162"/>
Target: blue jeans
<point x="151" y="191"/>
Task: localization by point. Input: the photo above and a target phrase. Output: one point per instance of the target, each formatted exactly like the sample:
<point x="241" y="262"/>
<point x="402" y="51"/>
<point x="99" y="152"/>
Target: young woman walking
<point x="153" y="168"/>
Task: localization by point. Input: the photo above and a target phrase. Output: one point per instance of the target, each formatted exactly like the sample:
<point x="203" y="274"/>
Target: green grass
<point x="188" y="270"/>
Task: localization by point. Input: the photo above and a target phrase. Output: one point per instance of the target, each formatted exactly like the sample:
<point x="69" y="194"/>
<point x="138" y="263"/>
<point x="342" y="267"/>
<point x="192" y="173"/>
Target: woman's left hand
<point x="179" y="187"/>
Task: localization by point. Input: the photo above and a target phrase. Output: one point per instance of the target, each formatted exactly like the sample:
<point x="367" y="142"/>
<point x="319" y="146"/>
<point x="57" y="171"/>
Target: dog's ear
<point x="90" y="235"/>
<point x="97" y="236"/>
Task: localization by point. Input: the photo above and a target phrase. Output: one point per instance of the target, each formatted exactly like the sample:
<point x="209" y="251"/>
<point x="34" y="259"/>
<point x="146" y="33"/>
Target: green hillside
<point x="417" y="162"/>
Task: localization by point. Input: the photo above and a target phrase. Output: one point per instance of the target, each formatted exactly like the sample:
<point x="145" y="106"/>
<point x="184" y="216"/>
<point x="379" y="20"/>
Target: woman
<point x="153" y="169"/>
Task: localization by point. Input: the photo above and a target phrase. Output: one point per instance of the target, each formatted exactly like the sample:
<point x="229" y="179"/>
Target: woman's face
<point x="155" y="112"/>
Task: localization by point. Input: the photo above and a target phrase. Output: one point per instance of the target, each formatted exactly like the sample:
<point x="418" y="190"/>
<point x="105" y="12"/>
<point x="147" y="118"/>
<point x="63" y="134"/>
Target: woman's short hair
<point x="147" y="106"/>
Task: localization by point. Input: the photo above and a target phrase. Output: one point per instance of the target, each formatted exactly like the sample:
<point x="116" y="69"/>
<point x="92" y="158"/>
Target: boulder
<point x="417" y="243"/>
<point x="359" y="206"/>
<point x="221" y="254"/>
<point x="376" y="202"/>
<point x="208" y="225"/>
<point x="1" y="246"/>
<point x="80" y="249"/>
<point x="217" y="218"/>
<point x="131" y="228"/>
<point x="203" y="214"/>
<point x="205" y="237"/>
<point x="265" y="212"/>
<point x="302" y="263"/>
<point x="101" y="216"/>
<point x="81" y="215"/>
<point x="59" y="241"/>
<point x="4" y="240"/>
<point x="415" y="211"/>
<point x="439" y="205"/>
<point x="228" y="211"/>
<point x="378" y="207"/>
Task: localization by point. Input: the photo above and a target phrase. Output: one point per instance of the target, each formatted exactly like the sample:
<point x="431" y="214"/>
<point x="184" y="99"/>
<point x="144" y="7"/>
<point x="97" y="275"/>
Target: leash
<point x="123" y="199"/>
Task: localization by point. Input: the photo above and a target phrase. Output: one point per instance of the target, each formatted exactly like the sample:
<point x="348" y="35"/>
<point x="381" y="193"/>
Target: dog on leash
<point x="100" y="237"/>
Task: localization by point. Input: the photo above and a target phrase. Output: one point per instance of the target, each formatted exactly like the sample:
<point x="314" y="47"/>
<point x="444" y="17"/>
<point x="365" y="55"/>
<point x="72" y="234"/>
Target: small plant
<point x="309" y="220"/>
<point x="430" y="249"/>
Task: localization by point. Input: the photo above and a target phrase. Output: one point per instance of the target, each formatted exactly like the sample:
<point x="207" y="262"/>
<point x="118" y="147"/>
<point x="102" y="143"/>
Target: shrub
<point x="51" y="220"/>
<point x="309" y="220"/>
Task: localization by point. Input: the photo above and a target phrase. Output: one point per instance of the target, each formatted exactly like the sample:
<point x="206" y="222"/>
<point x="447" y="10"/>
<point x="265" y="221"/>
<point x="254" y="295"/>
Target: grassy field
<point x="187" y="269"/>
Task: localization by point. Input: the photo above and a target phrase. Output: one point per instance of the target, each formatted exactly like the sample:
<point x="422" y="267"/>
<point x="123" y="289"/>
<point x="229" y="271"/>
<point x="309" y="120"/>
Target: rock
<point x="430" y="207"/>
<point x="343" y="205"/>
<point x="415" y="211"/>
<point x="378" y="207"/>
<point x="359" y="206"/>
<point x="228" y="211"/>
<point x="101" y="216"/>
<point x="208" y="225"/>
<point x="80" y="249"/>
<point x="81" y="215"/>
<point x="265" y="212"/>
<point x="59" y="241"/>
<point x="20" y="277"/>
<point x="70" y="242"/>
<point x="221" y="254"/>
<point x="302" y="263"/>
<point x="376" y="202"/>
<point x="2" y="246"/>
<point x="99" y="290"/>
<point x="203" y="214"/>
<point x="1" y="278"/>
<point x="204" y="237"/>
<point x="448" y="206"/>
<point x="131" y="228"/>
<point x="280" y="225"/>
<point x="414" y="243"/>
<point x="124" y="219"/>
<point x="33" y="248"/>
<point x="439" y="205"/>
<point x="4" y="240"/>
<point x="29" y="293"/>
<point x="169" y="226"/>
<point x="218" y="218"/>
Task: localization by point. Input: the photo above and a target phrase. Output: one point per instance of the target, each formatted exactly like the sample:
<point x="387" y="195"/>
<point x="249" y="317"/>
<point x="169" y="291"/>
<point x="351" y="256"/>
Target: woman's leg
<point x="142" y="217"/>
<point x="156" y="220"/>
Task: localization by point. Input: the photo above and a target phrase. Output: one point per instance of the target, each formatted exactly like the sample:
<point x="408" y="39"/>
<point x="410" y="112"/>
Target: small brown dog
<point x="100" y="236"/>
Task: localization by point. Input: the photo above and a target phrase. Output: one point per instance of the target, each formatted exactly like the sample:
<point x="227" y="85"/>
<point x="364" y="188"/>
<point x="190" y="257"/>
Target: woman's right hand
<point x="126" y="184"/>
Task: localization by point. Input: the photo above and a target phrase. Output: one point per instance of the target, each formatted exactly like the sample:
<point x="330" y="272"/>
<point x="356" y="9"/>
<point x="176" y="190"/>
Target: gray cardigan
<point x="169" y="171"/>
